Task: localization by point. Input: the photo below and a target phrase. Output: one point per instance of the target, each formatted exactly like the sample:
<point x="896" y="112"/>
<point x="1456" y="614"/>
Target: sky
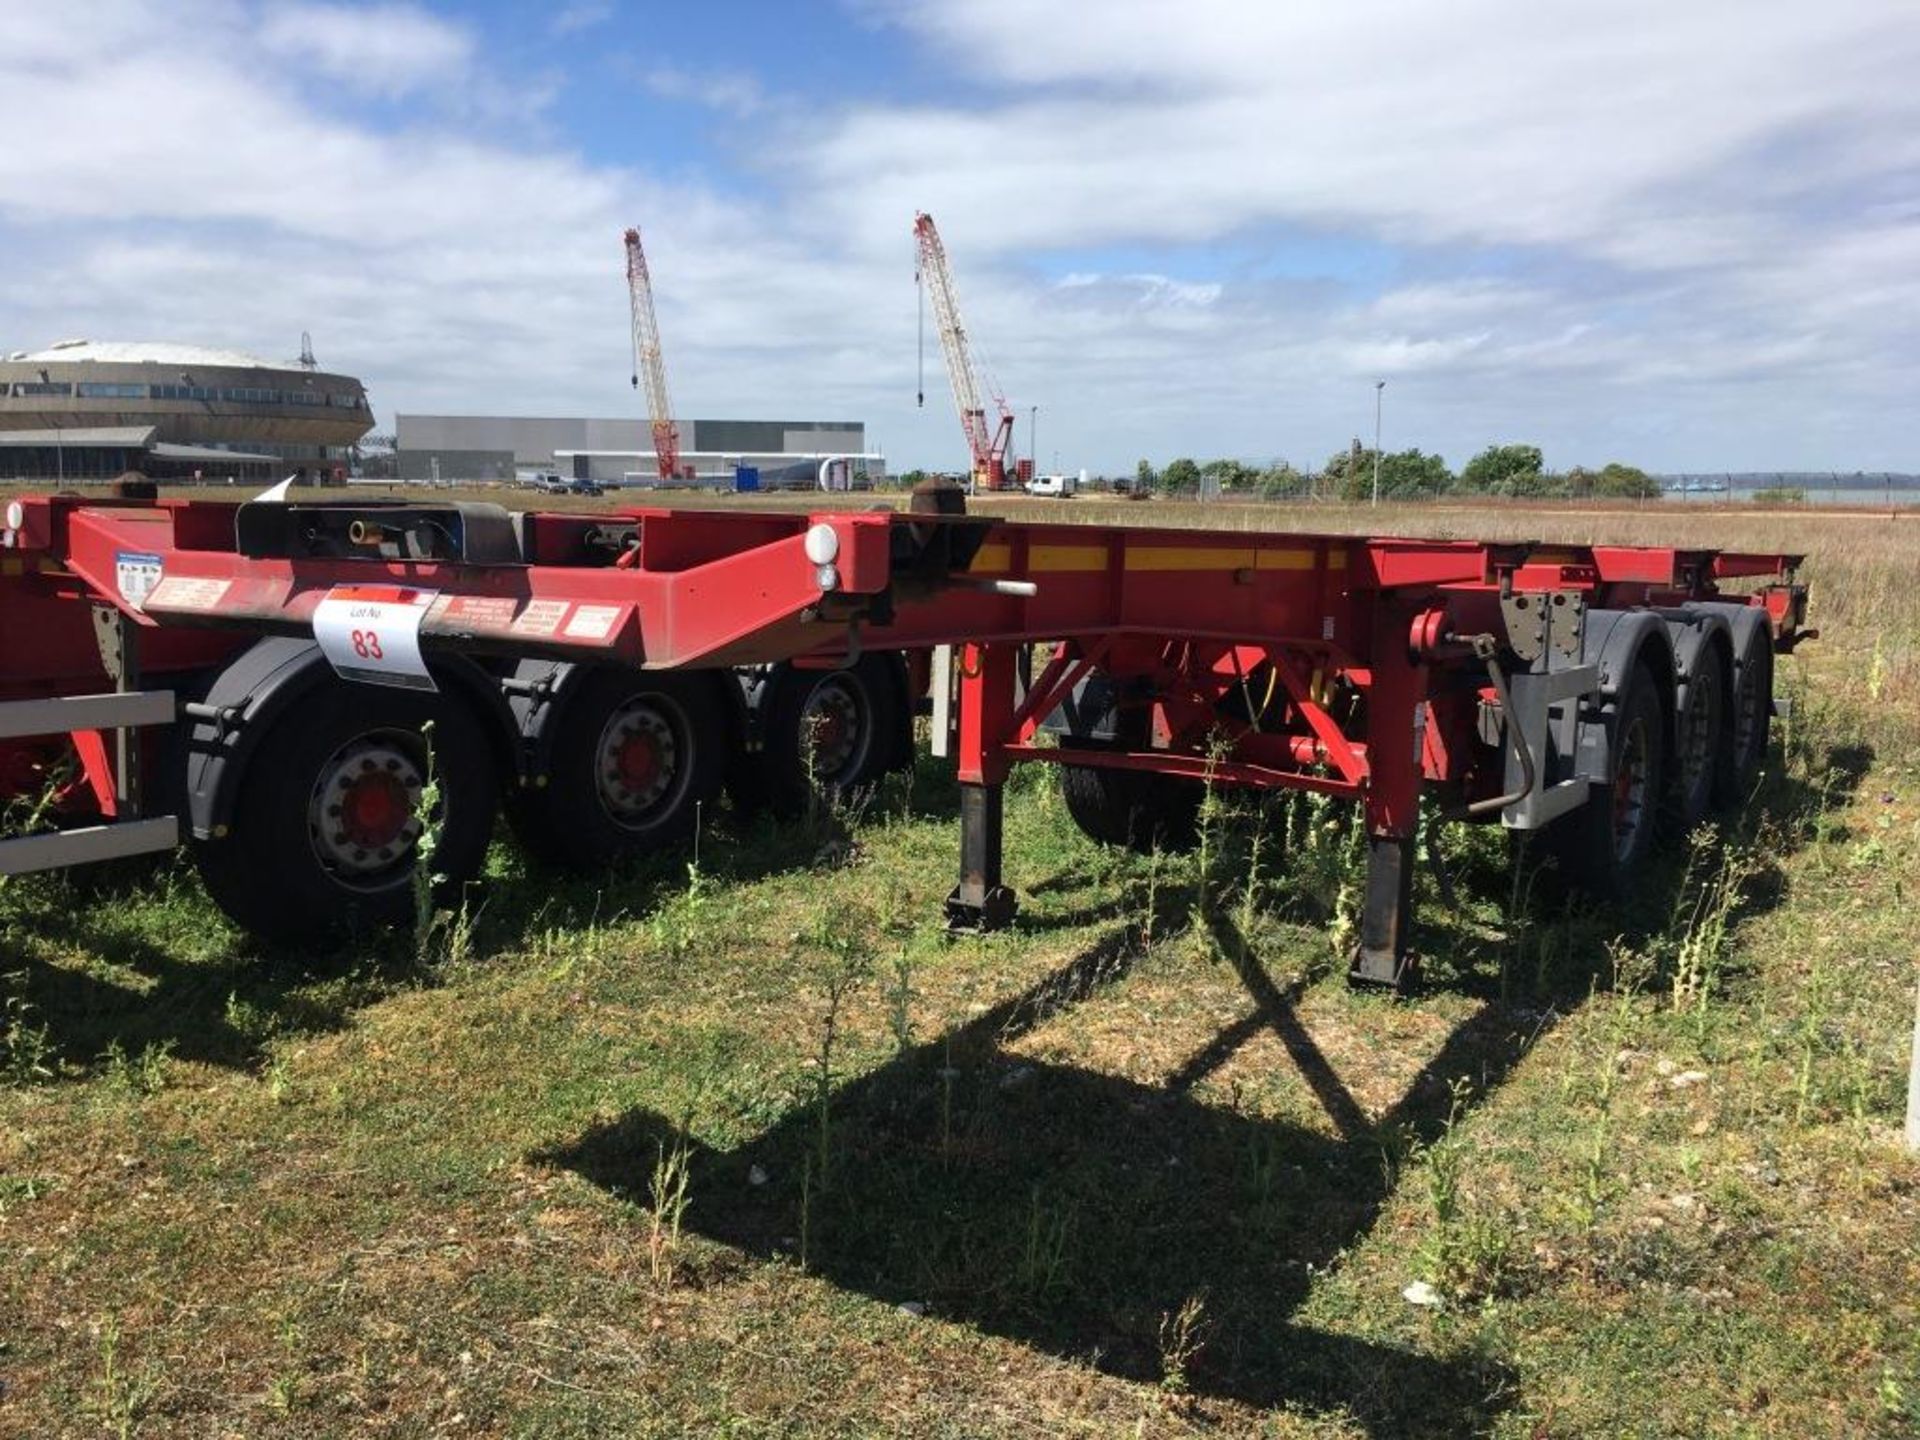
<point x="1685" y="236"/>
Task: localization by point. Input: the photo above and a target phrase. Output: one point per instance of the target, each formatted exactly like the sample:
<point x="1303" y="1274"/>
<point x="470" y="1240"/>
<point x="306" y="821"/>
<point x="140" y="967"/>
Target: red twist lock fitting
<point x="1427" y="634"/>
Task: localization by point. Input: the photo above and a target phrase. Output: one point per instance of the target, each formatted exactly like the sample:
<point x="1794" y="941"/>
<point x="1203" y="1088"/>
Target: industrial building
<point x="621" y="452"/>
<point x="87" y="409"/>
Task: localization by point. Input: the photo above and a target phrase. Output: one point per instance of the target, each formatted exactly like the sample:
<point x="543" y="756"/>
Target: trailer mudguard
<point x="1743" y="621"/>
<point x="1693" y="634"/>
<point x="541" y="690"/>
<point x="1615" y="641"/>
<point x="757" y="682"/>
<point x="1090" y="712"/>
<point x="281" y="671"/>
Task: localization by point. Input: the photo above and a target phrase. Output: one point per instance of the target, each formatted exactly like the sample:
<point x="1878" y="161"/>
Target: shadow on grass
<point x="92" y="957"/>
<point x="88" y="952"/>
<point x="1077" y="1212"/>
<point x="1545" y="939"/>
<point x="136" y="955"/>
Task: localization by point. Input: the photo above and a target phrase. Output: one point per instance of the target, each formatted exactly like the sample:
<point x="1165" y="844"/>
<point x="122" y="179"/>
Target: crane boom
<point x="647" y="360"/>
<point x="987" y="447"/>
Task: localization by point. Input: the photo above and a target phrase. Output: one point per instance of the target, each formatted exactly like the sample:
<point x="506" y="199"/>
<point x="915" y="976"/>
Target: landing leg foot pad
<point x="990" y="909"/>
<point x="1372" y="968"/>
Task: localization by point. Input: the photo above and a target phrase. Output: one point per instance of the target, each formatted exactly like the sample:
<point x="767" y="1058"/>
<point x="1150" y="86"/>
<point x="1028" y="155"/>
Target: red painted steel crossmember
<point x="707" y="590"/>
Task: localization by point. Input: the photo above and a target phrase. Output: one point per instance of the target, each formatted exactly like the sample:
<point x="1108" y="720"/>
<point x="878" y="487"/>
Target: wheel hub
<point x="637" y="759"/>
<point x="830" y="729"/>
<point x="363" y="814"/>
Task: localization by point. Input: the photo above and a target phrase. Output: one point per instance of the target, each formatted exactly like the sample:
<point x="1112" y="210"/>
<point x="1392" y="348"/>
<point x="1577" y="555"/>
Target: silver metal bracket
<point x="1545" y="622"/>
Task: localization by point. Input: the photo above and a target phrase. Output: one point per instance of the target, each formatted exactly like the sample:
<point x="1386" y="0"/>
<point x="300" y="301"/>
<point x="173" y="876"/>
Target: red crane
<point x="647" y="360"/>
<point x="989" y="447"/>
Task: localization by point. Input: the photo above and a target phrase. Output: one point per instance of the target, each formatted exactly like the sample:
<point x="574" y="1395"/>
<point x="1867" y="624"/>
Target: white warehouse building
<point x="619" y="451"/>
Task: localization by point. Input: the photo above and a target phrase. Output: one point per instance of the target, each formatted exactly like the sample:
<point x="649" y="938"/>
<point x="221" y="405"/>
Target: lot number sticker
<point x="371" y="633"/>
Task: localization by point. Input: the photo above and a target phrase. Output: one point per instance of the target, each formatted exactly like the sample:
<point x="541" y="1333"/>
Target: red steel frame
<point x="1357" y="644"/>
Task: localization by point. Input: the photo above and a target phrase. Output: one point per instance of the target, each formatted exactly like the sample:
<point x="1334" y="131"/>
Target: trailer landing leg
<point x="980" y="901"/>
<point x="1384" y="955"/>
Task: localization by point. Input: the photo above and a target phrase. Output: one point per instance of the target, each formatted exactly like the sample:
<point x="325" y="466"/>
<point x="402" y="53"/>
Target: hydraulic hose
<point x="1487" y="648"/>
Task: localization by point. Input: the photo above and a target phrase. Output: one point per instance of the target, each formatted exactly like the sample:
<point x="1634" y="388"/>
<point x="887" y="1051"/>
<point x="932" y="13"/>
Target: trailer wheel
<point x="1603" y="845"/>
<point x="827" y="731"/>
<point x="1700" y="739"/>
<point x="1752" y="714"/>
<point x="635" y="756"/>
<point x="1134" y="808"/>
<point x="327" y="825"/>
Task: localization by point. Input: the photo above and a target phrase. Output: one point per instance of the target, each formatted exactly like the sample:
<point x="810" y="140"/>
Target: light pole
<point x="1379" y="388"/>
<point x="1033" y="424"/>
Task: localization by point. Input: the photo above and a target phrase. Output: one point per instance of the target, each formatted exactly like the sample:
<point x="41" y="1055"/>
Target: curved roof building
<point x="90" y="409"/>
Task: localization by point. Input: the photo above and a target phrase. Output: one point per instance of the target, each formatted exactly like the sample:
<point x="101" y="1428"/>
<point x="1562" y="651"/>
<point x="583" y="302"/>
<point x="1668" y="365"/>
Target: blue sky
<point x="1687" y="237"/>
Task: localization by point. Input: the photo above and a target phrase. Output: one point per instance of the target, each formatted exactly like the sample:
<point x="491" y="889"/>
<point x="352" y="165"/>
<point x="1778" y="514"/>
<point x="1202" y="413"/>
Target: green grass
<point x="1143" y="1165"/>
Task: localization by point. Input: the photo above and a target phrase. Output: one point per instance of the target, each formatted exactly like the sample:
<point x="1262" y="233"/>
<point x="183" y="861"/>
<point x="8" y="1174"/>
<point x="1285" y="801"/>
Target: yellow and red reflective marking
<point x="1055" y="559"/>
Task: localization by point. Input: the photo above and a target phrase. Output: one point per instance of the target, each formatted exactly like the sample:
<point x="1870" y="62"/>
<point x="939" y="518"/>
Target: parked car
<point x="582" y="487"/>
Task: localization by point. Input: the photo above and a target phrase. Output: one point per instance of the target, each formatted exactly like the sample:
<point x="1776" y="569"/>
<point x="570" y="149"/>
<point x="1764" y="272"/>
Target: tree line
<point x="1516" y="471"/>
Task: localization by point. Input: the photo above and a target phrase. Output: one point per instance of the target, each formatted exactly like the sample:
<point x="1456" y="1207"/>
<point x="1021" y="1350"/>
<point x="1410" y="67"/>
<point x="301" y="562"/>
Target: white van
<point x="1062" y="486"/>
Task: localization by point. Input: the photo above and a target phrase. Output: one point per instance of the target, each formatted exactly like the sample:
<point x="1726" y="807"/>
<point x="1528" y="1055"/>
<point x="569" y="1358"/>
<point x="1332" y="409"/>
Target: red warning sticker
<point x="471" y="613"/>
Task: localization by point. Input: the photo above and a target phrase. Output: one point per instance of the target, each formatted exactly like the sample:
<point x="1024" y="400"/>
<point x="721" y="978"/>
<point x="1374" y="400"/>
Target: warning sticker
<point x="135" y="573"/>
<point x="371" y="633"/>
<point x="593" y="622"/>
<point x="181" y="592"/>
<point x="471" y="613"/>
<point x="541" y="617"/>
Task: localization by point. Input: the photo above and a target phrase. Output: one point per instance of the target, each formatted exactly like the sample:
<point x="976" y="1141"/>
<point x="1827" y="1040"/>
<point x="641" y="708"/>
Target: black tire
<point x="285" y="872"/>
<point x="1134" y="808"/>
<point x="637" y="757"/>
<point x="830" y="731"/>
<point x="1604" y="846"/>
<point x="1750" y="714"/>
<point x="1700" y="739"/>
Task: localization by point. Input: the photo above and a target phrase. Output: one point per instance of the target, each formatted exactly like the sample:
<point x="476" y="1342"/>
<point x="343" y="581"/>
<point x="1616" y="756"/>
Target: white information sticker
<point x="186" y="592"/>
<point x="371" y="633"/>
<point x="136" y="573"/>
<point x="592" y="622"/>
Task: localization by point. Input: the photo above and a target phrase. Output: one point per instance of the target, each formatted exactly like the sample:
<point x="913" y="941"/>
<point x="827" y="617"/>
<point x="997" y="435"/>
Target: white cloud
<point x="581" y="15"/>
<point x="730" y="91"/>
<point x="1486" y="121"/>
<point x="1684" y="235"/>
<point x="1146" y="290"/>
<point x="381" y="49"/>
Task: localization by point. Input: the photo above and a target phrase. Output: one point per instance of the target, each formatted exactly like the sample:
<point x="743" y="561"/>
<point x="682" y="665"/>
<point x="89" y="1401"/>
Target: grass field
<point x="747" y="1146"/>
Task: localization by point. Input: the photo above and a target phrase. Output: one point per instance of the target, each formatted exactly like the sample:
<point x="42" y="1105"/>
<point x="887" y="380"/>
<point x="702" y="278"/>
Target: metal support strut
<point x="1384" y="955"/>
<point x="980" y="901"/>
<point x="1397" y="716"/>
<point x="119" y="644"/>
